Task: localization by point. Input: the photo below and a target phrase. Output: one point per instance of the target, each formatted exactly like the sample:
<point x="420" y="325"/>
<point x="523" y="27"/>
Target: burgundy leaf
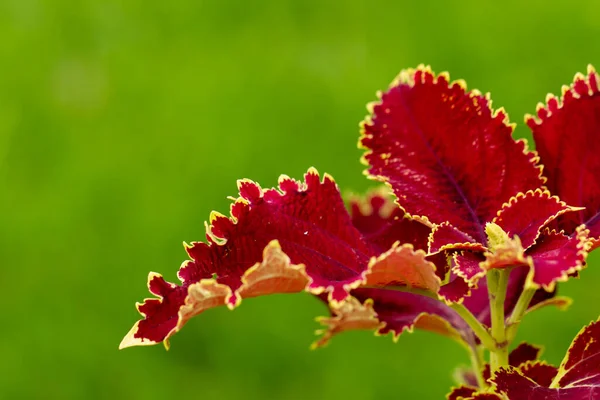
<point x="297" y="238"/>
<point x="567" y="140"/>
<point x="581" y="365"/>
<point x="578" y="376"/>
<point x="313" y="231"/>
<point x="447" y="155"/>
<point x="522" y="354"/>
<point x="467" y="265"/>
<point x="383" y="223"/>
<point x="539" y="372"/>
<point x="461" y="393"/>
<point x="470" y="393"/>
<point x="403" y="311"/>
<point x="557" y="256"/>
<point x="518" y="387"/>
<point x="446" y="237"/>
<point x="527" y="213"/>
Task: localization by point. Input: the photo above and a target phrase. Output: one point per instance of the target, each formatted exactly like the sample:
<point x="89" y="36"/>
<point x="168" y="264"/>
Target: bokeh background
<point x="123" y="123"/>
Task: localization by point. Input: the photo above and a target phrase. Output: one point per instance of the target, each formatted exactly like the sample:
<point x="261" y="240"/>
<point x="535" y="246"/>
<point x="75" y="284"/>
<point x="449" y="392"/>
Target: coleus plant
<point x="471" y="232"/>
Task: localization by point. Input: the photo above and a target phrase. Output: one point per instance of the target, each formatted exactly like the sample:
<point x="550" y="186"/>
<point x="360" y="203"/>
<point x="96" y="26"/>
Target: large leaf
<point x="297" y="237"/>
<point x="566" y="132"/>
<point x="578" y="376"/>
<point x="445" y="153"/>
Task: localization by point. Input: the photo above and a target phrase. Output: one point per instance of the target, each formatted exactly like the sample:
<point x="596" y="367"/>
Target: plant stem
<point x="514" y="321"/>
<point x="481" y="331"/>
<point x="476" y="354"/>
<point x="497" y="282"/>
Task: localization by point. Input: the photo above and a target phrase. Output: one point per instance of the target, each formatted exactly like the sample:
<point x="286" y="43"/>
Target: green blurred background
<point x="124" y="123"/>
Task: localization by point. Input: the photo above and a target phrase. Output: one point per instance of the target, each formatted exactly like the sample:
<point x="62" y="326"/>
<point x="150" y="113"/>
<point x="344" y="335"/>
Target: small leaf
<point x="470" y="393"/>
<point x="539" y="372"/>
<point x="446" y="237"/>
<point x="351" y="315"/>
<point x="556" y="257"/>
<point x="523" y="353"/>
<point x="461" y="393"/>
<point x="525" y="214"/>
<point x="402" y="266"/>
<point x="467" y="264"/>
<point x="383" y="223"/>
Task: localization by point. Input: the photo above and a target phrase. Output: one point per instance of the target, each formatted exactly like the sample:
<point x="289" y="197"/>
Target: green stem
<point x="481" y="331"/>
<point x="476" y="354"/>
<point x="520" y="309"/>
<point x="497" y="283"/>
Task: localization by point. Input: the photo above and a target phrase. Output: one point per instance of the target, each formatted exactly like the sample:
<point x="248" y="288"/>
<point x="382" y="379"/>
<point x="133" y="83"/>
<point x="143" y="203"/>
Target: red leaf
<point x="578" y="377"/>
<point x="402" y="266"/>
<point x="470" y="393"/>
<point x="403" y="311"/>
<point x="446" y="237"/>
<point x="462" y="392"/>
<point x="566" y="136"/>
<point x="527" y="213"/>
<point x="522" y="353"/>
<point x="383" y="223"/>
<point x="311" y="225"/>
<point x="539" y="372"/>
<point x="581" y="366"/>
<point x="556" y="257"/>
<point x="456" y="289"/>
<point x="445" y="153"/>
<point x="467" y="265"/>
<point x="351" y="315"/>
<point x="297" y="238"/>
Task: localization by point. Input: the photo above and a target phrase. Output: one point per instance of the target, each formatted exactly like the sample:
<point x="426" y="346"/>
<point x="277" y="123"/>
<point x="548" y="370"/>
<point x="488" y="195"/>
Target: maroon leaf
<point x="539" y="372"/>
<point x="467" y="265"/>
<point x="456" y="290"/>
<point x="518" y="387"/>
<point x="447" y="155"/>
<point x="350" y="315"/>
<point x="404" y="311"/>
<point x="470" y="393"/>
<point x="522" y="353"/>
<point x="446" y="237"/>
<point x="566" y="136"/>
<point x="383" y="223"/>
<point x="557" y="256"/>
<point x="402" y="266"/>
<point x="581" y="365"/>
<point x="527" y="213"/>
<point x="578" y="377"/>
<point x="312" y="227"/>
<point x="461" y="393"/>
<point x="297" y="238"/>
